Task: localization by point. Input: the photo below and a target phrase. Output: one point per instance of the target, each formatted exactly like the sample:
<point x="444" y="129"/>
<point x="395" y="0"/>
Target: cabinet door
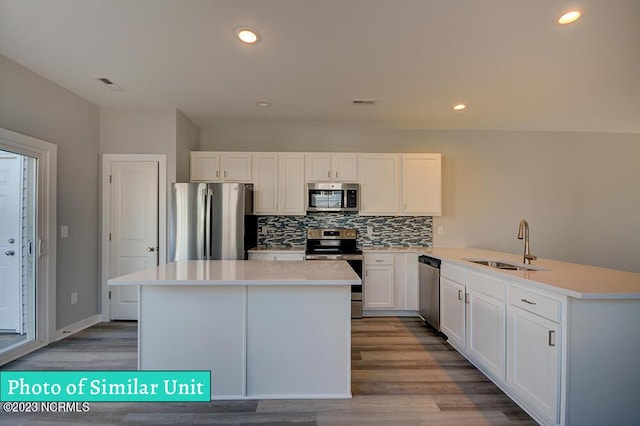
<point x="532" y="360"/>
<point x="452" y="311"/>
<point x="236" y="166"/>
<point x="421" y="184"/>
<point x="379" y="184"/>
<point x="265" y="173"/>
<point x="486" y="331"/>
<point x="378" y="287"/>
<point x="204" y="166"/>
<point x="344" y="167"/>
<point x="318" y="167"/>
<point x="291" y="186"/>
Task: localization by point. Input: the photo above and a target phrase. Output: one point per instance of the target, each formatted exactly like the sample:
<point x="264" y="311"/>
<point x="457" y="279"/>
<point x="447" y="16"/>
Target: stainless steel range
<point x="338" y="244"/>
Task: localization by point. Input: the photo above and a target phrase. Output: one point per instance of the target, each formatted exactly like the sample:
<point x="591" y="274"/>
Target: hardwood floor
<point x="402" y="374"/>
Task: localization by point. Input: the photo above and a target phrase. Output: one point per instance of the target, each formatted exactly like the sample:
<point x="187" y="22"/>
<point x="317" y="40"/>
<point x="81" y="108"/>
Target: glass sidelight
<point x="18" y="249"/>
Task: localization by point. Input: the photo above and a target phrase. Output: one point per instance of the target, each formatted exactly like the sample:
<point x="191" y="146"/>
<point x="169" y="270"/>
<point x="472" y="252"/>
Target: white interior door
<point x="10" y="242"/>
<point x="134" y="229"/>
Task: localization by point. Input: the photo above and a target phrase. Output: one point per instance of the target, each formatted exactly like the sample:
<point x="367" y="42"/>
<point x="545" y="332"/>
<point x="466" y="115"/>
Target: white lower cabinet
<point x="533" y="352"/>
<point x="391" y="282"/>
<point x="378" y="281"/>
<point x="533" y="358"/>
<point x="452" y="312"/>
<point x="486" y="313"/>
<point x="486" y="325"/>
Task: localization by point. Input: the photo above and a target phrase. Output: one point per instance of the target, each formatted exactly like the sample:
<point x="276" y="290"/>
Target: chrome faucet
<point x="523" y="232"/>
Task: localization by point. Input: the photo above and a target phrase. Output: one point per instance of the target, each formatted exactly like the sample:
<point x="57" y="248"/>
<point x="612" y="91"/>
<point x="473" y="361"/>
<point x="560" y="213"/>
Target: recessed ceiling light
<point x="569" y="17"/>
<point x="263" y="103"/>
<point x="247" y="35"/>
<point x="459" y="107"/>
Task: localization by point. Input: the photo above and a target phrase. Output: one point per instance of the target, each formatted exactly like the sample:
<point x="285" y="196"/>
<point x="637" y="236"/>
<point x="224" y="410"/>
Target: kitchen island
<point x="264" y="329"/>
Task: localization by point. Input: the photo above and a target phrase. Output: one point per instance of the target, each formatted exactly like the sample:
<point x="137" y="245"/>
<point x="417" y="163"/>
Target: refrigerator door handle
<point x="207" y="224"/>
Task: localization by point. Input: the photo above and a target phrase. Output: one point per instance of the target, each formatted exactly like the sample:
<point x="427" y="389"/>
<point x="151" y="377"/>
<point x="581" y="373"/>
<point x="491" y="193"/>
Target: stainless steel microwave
<point x="333" y="197"/>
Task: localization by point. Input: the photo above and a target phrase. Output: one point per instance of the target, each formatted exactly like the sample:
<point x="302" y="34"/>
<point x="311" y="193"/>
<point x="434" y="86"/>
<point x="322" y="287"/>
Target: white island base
<point x="287" y="337"/>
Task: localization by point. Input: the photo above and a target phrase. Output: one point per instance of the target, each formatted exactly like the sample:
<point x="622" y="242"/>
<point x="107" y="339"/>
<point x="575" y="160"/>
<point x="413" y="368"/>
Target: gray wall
<point x="34" y="106"/>
<point x="187" y="140"/>
<point x="579" y="191"/>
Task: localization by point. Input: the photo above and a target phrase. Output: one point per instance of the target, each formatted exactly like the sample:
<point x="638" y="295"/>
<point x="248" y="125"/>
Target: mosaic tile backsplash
<point x="391" y="231"/>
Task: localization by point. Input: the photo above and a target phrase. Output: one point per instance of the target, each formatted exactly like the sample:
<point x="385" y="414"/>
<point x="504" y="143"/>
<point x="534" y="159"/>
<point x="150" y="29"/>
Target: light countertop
<point x="243" y="272"/>
<point x="571" y="279"/>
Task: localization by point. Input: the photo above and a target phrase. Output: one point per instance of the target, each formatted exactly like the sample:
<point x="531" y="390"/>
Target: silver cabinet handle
<point x="217" y="173"/>
<point x="528" y="302"/>
<point x="11" y="240"/>
<point x="552" y="338"/>
<point x="9" y="252"/>
<point x="336" y="174"/>
<point x="225" y="173"/>
<point x="466" y="298"/>
<point x="459" y="294"/>
<point x="151" y="249"/>
<point x="329" y="174"/>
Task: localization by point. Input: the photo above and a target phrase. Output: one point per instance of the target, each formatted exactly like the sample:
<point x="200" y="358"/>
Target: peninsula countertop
<point x="243" y="272"/>
<point x="572" y="279"/>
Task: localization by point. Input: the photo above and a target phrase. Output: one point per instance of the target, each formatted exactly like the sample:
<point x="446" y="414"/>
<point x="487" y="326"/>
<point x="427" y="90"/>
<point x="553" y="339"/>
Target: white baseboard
<point x="76" y="327"/>
<point x="389" y="313"/>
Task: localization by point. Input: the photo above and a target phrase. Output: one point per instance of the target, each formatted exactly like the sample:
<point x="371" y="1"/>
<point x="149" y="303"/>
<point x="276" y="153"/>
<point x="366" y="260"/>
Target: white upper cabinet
<point x="279" y="186"/>
<point x="421" y="184"/>
<point x="236" y="166"/>
<point x="204" y="166"/>
<point x="265" y="183"/>
<point x="291" y="186"/>
<point x="379" y="177"/>
<point x="209" y="166"/>
<point x="325" y="167"/>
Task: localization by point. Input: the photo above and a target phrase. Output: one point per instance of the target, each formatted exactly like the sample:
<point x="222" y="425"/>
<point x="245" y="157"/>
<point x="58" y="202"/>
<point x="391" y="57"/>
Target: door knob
<point x="9" y="252"/>
<point x="151" y="249"/>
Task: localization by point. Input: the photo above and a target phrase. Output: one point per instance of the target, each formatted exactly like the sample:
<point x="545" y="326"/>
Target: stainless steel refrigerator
<point x="212" y="221"/>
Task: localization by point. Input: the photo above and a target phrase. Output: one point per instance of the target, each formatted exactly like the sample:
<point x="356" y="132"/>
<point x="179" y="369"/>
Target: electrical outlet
<point x="264" y="230"/>
<point x="74" y="298"/>
<point x="369" y="231"/>
<point x="440" y="230"/>
<point x="64" y="231"/>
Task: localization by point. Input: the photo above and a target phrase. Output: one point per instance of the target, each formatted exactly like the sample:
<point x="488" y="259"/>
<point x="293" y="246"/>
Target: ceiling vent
<point x="363" y="101"/>
<point x="110" y="84"/>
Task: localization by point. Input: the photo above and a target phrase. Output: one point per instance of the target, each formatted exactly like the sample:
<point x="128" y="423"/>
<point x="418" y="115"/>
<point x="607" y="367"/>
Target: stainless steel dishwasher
<point x="429" y="290"/>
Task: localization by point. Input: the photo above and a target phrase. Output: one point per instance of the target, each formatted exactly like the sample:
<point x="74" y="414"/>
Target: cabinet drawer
<point x="454" y="273"/>
<point x="535" y="303"/>
<point x="378" y="259"/>
<point x="487" y="285"/>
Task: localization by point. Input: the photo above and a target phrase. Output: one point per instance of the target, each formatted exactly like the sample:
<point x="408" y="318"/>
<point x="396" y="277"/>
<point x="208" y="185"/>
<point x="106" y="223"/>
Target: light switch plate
<point x="64" y="231"/>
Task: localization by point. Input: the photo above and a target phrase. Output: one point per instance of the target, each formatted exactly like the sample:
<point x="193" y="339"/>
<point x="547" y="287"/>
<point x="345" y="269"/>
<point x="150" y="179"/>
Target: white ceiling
<point x="507" y="59"/>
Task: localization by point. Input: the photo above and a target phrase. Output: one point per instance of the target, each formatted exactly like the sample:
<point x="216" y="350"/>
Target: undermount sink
<point x="503" y="264"/>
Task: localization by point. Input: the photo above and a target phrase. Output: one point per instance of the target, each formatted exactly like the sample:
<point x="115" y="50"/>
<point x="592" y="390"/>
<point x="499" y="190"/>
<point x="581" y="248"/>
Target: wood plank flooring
<point x="402" y="374"/>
